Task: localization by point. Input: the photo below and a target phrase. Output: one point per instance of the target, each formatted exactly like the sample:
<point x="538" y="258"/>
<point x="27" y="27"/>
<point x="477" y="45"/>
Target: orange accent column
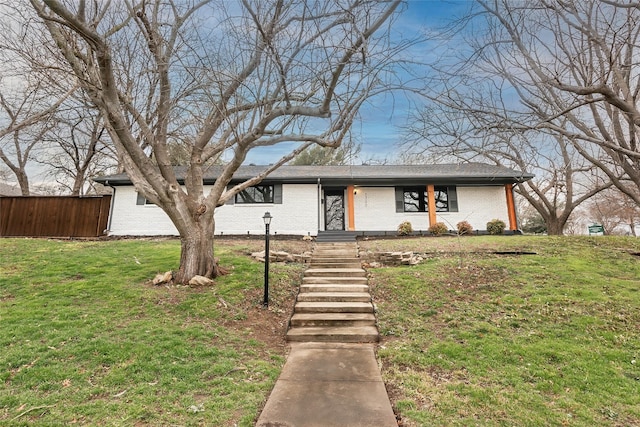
<point x="351" y="211"/>
<point x="511" y="207"/>
<point x="431" y="200"/>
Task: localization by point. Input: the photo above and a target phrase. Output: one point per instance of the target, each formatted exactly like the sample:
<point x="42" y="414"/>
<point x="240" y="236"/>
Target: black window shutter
<point x="277" y="194"/>
<point x="452" y="196"/>
<point x="399" y="199"/>
<point x="140" y="200"/>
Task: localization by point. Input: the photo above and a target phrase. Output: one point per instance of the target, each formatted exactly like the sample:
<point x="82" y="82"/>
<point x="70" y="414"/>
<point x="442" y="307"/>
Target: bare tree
<point x="27" y="117"/>
<point x="615" y="211"/>
<point x="573" y="65"/>
<point x="474" y="123"/>
<point x="225" y="76"/>
<point x="77" y="148"/>
<point x="28" y="97"/>
<point x="318" y="155"/>
<point x="549" y="87"/>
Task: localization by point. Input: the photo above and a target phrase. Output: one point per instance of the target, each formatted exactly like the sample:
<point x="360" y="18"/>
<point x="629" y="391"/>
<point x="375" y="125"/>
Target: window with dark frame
<point x="416" y="199"/>
<point x="256" y="194"/>
<point x="442" y="199"/>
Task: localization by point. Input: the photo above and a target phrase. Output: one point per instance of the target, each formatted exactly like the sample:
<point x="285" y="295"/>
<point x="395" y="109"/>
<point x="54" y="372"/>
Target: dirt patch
<point x="266" y="325"/>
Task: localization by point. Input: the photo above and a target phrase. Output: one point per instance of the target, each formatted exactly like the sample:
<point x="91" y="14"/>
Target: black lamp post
<point x="267" y="220"/>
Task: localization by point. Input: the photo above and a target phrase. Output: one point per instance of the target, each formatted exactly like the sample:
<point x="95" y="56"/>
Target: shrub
<point x="464" y="228"/>
<point x="438" y="228"/>
<point x="405" y="229"/>
<point x="496" y="226"/>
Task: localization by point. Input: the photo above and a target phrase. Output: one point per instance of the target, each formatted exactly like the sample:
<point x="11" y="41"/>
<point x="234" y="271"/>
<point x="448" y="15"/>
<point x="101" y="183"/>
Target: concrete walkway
<point x="329" y="385"/>
<point x="329" y="380"/>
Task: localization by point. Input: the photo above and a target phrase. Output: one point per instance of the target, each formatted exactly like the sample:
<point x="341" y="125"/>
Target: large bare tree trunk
<point x="196" y="256"/>
<point x="555" y="226"/>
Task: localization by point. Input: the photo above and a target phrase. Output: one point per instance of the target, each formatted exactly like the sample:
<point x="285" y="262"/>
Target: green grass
<point x="475" y="338"/>
<point x="87" y="340"/>
<point x="469" y="337"/>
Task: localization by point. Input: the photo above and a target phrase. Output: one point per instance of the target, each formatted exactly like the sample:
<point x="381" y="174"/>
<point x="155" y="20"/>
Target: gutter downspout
<point x="113" y="200"/>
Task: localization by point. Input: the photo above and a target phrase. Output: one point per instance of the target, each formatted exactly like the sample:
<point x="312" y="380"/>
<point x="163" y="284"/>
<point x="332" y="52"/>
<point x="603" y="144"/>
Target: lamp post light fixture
<point x="267" y="221"/>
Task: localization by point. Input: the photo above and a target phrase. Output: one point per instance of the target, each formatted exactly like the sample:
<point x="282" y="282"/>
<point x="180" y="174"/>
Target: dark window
<point x="442" y="199"/>
<point x="416" y="199"/>
<point x="256" y="194"/>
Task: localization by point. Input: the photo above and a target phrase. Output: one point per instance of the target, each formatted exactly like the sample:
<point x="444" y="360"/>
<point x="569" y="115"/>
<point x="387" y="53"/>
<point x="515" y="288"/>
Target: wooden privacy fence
<point x="44" y="216"/>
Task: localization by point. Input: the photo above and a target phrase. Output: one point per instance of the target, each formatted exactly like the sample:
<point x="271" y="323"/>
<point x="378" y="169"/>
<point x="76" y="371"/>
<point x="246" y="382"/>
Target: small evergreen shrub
<point x="405" y="229"/>
<point x="438" y="228"/>
<point x="464" y="228"/>
<point x="496" y="226"/>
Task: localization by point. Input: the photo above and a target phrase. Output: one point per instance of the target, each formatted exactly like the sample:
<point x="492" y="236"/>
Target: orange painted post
<point x="351" y="190"/>
<point x="431" y="200"/>
<point x="511" y="207"/>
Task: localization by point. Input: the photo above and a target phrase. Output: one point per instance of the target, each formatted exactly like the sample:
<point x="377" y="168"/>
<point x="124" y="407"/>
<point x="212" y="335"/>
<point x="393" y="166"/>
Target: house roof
<point x="464" y="173"/>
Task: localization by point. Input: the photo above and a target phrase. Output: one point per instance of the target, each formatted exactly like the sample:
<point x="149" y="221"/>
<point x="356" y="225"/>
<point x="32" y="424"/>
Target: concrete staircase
<point x="334" y="304"/>
<point x="336" y="236"/>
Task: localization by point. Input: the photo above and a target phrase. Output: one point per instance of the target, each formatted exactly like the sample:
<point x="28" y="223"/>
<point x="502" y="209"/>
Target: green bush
<point x="405" y="229"/>
<point x="496" y="226"/>
<point x="438" y="228"/>
<point x="464" y="228"/>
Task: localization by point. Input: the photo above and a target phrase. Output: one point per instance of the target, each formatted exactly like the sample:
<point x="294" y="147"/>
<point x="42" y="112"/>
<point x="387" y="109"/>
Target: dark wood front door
<point x="334" y="210"/>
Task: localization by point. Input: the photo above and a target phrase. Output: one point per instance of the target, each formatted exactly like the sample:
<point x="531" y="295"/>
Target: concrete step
<point x="335" y="280"/>
<point x="335" y="260"/>
<point x="333" y="319"/>
<point x="349" y="248"/>
<point x="315" y="265"/>
<point x="324" y="245"/>
<point x="333" y="307"/>
<point x="336" y="254"/>
<point x="334" y="334"/>
<point x="334" y="297"/>
<point x="335" y="272"/>
<point x="333" y="287"/>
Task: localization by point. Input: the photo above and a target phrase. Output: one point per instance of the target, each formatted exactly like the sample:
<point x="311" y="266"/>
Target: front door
<point x="334" y="210"/>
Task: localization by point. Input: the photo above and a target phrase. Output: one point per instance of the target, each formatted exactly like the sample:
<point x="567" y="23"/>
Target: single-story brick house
<point x="305" y="200"/>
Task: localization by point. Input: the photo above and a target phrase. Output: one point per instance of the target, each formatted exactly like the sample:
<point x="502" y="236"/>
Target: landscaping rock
<point x="163" y="278"/>
<point x="201" y="281"/>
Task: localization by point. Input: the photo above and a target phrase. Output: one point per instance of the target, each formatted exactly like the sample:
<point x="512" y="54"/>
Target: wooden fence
<point x="44" y="216"/>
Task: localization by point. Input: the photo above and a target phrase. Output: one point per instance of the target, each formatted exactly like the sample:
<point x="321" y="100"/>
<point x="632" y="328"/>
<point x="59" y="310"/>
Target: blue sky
<point x="380" y="127"/>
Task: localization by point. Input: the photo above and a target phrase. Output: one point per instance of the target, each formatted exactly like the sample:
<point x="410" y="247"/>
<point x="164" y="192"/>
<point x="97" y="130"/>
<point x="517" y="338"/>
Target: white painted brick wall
<point x="298" y="213"/>
<point x="477" y="205"/>
<point x="375" y="209"/>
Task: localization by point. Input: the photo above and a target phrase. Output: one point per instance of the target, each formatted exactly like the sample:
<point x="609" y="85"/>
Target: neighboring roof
<point x="463" y="173"/>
